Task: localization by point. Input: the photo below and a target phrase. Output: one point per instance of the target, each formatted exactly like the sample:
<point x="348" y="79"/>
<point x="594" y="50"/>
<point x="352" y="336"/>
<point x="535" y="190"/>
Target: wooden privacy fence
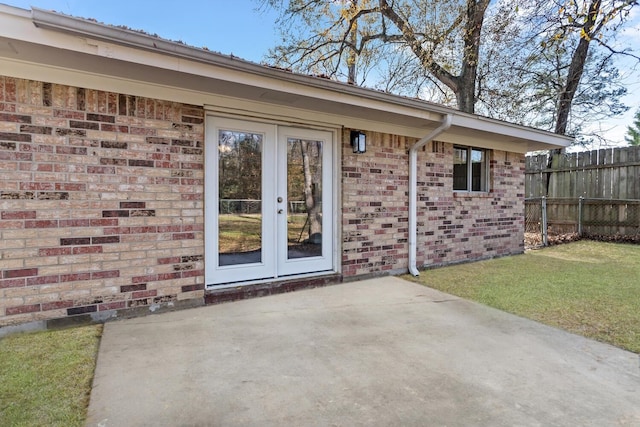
<point x="594" y="194"/>
<point x="612" y="173"/>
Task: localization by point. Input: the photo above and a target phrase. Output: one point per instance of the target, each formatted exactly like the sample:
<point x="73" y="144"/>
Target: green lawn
<point x="45" y="377"/>
<point x="589" y="288"/>
<point x="242" y="233"/>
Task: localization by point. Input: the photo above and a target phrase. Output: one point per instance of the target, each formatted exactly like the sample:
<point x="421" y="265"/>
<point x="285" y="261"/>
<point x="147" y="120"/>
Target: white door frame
<point x="273" y="261"/>
<point x="324" y="262"/>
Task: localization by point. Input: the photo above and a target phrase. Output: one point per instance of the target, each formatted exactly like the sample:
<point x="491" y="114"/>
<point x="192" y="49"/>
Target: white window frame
<point x="485" y="184"/>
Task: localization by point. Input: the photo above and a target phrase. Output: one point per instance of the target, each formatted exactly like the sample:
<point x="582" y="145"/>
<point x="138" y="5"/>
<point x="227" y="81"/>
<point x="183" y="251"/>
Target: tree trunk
<point x="311" y="196"/>
<point x="574" y="75"/>
<point x="576" y="68"/>
<point x="352" y="58"/>
<point x="463" y="85"/>
<point x="351" y="79"/>
<point x="466" y="87"/>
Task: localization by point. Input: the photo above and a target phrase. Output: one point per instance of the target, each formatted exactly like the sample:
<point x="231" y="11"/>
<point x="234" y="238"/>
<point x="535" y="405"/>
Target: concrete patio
<point x="378" y="352"/>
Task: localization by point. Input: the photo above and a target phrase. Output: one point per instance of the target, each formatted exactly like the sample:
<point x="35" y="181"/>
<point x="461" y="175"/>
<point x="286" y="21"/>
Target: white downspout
<point x="413" y="190"/>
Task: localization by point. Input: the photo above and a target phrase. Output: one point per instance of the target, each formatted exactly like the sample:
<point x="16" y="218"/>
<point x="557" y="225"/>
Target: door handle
<point x="280" y="211"/>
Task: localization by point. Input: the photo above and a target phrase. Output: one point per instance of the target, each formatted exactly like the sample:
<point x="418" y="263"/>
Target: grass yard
<point x="45" y="377"/>
<point x="242" y="232"/>
<point x="586" y="287"/>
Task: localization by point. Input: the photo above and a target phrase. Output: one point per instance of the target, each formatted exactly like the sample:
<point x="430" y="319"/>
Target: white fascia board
<point x="516" y="132"/>
<point x="7" y="9"/>
<point x="212" y="102"/>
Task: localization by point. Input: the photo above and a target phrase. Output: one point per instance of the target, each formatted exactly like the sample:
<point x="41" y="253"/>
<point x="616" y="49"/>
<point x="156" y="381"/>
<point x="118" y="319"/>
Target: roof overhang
<point x="48" y="46"/>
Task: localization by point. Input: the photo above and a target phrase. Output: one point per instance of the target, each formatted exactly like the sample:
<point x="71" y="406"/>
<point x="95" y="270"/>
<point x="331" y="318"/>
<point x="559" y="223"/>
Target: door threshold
<point x="240" y="291"/>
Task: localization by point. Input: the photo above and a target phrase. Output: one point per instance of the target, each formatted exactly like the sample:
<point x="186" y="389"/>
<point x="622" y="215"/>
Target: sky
<point x="244" y="29"/>
<point x="235" y="27"/>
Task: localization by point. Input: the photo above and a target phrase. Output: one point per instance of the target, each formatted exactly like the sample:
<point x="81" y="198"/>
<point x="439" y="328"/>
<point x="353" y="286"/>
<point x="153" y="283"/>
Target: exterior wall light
<point x="358" y="141"/>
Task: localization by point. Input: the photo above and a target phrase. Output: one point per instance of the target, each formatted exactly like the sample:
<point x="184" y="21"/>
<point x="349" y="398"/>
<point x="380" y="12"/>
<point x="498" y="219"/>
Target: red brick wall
<point x="375" y="205"/>
<point x="452" y="226"/>
<point x="459" y="226"/>
<point x="101" y="201"/>
<point x="101" y="204"/>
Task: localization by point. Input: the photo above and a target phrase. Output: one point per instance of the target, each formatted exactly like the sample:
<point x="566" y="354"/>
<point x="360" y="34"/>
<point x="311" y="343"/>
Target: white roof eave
<point x="521" y="138"/>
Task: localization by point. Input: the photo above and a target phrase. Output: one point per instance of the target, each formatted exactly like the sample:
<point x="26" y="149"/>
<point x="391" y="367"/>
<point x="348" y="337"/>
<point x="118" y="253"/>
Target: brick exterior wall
<point x="375" y="205"/>
<point x="101" y="205"/>
<point x="452" y="226"/>
<point x="101" y="201"/>
<point x="458" y="226"/>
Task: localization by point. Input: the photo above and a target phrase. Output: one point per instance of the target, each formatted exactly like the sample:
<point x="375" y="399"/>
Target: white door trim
<point x="214" y="273"/>
<point x="219" y="277"/>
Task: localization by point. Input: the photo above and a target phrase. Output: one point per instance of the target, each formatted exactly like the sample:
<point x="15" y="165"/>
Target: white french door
<point x="268" y="201"/>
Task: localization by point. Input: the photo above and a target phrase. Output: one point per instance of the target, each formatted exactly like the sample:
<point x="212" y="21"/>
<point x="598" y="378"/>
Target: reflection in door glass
<point x="304" y="188"/>
<point x="239" y="197"/>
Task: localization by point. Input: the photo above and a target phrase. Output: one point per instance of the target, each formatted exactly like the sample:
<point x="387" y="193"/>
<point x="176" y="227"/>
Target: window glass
<point x="478" y="170"/>
<point x="460" y="168"/>
<point x="469" y="169"/>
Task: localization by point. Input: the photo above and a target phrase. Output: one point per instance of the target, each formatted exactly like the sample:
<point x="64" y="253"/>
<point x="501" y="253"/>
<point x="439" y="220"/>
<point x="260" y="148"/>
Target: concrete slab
<point x="376" y="352"/>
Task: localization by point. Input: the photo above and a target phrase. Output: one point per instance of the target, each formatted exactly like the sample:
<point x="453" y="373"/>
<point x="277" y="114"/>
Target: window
<point x="470" y="169"/>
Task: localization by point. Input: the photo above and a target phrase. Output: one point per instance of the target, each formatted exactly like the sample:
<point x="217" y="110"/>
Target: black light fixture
<point x="358" y="141"/>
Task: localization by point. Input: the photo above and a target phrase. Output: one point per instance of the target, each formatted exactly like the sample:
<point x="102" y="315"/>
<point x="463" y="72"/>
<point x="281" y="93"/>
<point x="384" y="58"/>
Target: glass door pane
<point x="304" y="201"/>
<point x="239" y="197"/>
<point x="304" y="196"/>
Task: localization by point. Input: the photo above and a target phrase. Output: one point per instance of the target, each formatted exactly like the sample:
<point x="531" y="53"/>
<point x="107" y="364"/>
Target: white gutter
<point x="413" y="190"/>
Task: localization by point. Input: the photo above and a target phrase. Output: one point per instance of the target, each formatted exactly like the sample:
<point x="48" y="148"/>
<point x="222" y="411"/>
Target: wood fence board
<point x="589" y="174"/>
<point x="615" y="175"/>
<point x="566" y="175"/>
<point x="631" y="191"/>
<point x="609" y="178"/>
<point x="605" y="173"/>
<point x="582" y="157"/>
<point x="621" y="189"/>
<point x="595" y="174"/>
<point x="633" y="186"/>
<point x="573" y="174"/>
